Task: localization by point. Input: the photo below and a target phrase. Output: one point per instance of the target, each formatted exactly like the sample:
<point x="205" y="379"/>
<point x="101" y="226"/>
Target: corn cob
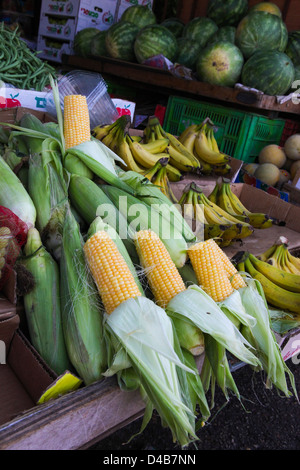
<point x="210" y="271"/>
<point x="235" y="278"/>
<point x="165" y="283"/>
<point x="76" y="120"/>
<point x="42" y="303"/>
<point x="112" y="276"/>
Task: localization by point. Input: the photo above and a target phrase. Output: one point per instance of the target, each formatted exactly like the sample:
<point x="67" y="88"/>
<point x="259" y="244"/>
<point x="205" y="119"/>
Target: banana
<point x="267" y="254"/>
<point x="221" y="169"/>
<point x="99" y="132"/>
<point x="192" y="127"/>
<point x="198" y="209"/>
<point x="180" y="161"/>
<point x="110" y="139"/>
<point x="275" y="295"/>
<point x="123" y="150"/>
<point x="213" y="197"/>
<point x="161" y="180"/>
<point x="282" y="278"/>
<point x="142" y="156"/>
<point x="214" y="144"/>
<point x="157" y="146"/>
<point x="189" y="140"/>
<point x="225" y="204"/>
<point x="274" y="259"/>
<point x="151" y="172"/>
<point x="294" y="260"/>
<point x="206" y="168"/>
<point x="205" y="153"/>
<point x="173" y="173"/>
<point x="256" y="219"/>
<point x="214" y="231"/>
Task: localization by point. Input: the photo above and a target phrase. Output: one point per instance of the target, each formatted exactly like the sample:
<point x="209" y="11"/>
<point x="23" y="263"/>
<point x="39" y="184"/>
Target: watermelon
<point x="98" y="47"/>
<point x="269" y="71"/>
<point x="175" y="25"/>
<point x="188" y="52"/>
<point x="82" y="41"/>
<point x="153" y="40"/>
<point x="225" y="33"/>
<point x="220" y="63"/>
<point x="119" y="40"/>
<point x="227" y="12"/>
<point x="293" y="47"/>
<point x="139" y="15"/>
<point x="267" y="6"/>
<point x="261" y="30"/>
<point x="200" y="30"/>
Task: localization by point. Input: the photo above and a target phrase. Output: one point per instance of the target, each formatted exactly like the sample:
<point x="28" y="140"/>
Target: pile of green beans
<point x="19" y="66"/>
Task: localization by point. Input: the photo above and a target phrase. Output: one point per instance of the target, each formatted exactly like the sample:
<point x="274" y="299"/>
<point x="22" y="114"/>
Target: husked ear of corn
<point x="112" y="276"/>
<point x="209" y="269"/>
<point x="42" y="302"/>
<point x="76" y="120"/>
<point x="235" y="278"/>
<point x="81" y="313"/>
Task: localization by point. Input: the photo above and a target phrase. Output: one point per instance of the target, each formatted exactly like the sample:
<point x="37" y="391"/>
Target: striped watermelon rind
<point x="139" y="15"/>
<point x="82" y="41"/>
<point x="200" y="29"/>
<point x="175" y="25"/>
<point x="225" y="33"/>
<point x="98" y="47"/>
<point x="261" y="30"/>
<point x="220" y="64"/>
<point x="271" y="72"/>
<point x="154" y="40"/>
<point x="227" y="13"/>
<point x="188" y="52"/>
<point x="119" y="40"/>
<point x="293" y="47"/>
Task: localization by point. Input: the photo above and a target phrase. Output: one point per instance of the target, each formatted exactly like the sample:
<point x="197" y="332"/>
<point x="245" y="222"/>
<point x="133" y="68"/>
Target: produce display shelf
<point x="239" y="134"/>
<point x="165" y="82"/>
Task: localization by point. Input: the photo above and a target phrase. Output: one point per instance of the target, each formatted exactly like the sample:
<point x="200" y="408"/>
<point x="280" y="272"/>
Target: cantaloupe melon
<point x="268" y="173"/>
<point x="250" y="168"/>
<point x="272" y="154"/>
<point x="292" y="147"/>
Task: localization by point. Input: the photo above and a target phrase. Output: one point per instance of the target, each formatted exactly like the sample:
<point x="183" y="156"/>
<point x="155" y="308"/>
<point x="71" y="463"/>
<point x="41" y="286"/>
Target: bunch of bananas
<point x="141" y="154"/>
<point x="158" y="176"/>
<point x="279" y="256"/>
<point x="224" y="197"/>
<point x="281" y="287"/>
<point x="212" y="219"/>
<point x="200" y="140"/>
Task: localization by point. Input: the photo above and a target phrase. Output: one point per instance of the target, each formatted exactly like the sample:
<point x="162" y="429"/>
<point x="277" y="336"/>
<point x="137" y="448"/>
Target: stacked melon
<point x="277" y="165"/>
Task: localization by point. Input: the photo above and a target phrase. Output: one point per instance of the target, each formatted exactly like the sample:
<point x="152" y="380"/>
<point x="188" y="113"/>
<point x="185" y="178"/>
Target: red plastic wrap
<point x="10" y="242"/>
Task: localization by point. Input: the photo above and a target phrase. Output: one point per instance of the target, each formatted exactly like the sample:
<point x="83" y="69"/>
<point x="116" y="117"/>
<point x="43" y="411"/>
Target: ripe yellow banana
<point x="99" y="132"/>
<point x="142" y="156"/>
<point x="267" y="254"/>
<point x="204" y="152"/>
<point x="157" y="146"/>
<point x="256" y="219"/>
<point x="189" y="140"/>
<point x="123" y="150"/>
<point x="161" y="180"/>
<point x="282" y="278"/>
<point x="181" y="161"/>
<point x="213" y="197"/>
<point x="173" y="173"/>
<point x="192" y="127"/>
<point x="225" y="204"/>
<point x="111" y="138"/>
<point x="275" y="295"/>
<point x="294" y="260"/>
<point x="213" y="142"/>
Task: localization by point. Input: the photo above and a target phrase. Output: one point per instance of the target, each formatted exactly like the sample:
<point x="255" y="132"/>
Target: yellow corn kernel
<point x="210" y="271"/>
<point x="110" y="272"/>
<point x="235" y="278"/>
<point x="76" y="120"/>
<point x="164" y="279"/>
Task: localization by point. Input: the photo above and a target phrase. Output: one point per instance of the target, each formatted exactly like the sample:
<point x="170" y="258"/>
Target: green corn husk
<point x="153" y="196"/>
<point x="99" y="224"/>
<point x="14" y="196"/>
<point x="262" y="338"/>
<point x="48" y="188"/>
<point x="90" y="201"/>
<point x="81" y="313"/>
<point x="41" y="294"/>
<point x="140" y="217"/>
<point x="150" y="350"/>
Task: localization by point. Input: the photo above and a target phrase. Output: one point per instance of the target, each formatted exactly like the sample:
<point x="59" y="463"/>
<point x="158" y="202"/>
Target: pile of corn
<point x="97" y="296"/>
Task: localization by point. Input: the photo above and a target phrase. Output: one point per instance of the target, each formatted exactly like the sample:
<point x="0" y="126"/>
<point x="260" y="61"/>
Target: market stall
<point x="120" y="231"/>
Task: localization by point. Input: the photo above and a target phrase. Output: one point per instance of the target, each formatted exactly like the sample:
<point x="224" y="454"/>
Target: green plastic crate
<point x="239" y="134"/>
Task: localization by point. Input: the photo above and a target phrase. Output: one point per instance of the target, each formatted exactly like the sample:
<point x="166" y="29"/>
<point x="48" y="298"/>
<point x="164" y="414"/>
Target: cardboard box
<point x="52" y="49"/>
<point x="245" y="177"/>
<point x="99" y="14"/>
<point x="59" y="7"/>
<point x="16" y="97"/>
<point x="57" y="27"/>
